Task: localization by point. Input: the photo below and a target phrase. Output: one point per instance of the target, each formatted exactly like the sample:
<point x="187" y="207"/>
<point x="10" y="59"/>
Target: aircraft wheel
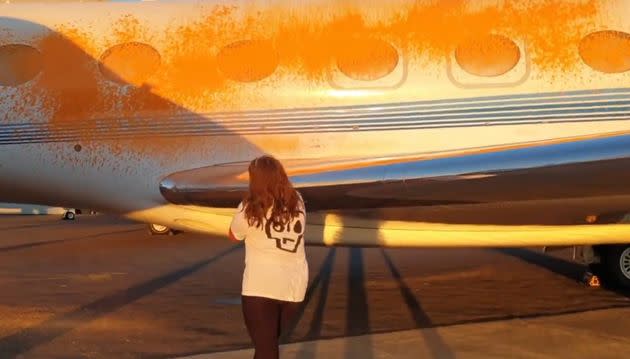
<point x="616" y="262"/>
<point x="69" y="215"/>
<point x="158" y="229"/>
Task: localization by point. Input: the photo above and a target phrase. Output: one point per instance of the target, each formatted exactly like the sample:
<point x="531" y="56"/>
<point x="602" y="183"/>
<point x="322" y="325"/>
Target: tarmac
<point x="596" y="334"/>
<point x="102" y="287"/>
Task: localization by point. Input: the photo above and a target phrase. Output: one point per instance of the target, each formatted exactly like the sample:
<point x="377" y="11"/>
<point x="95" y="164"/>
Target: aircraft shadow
<point x="571" y="270"/>
<point x="357" y="307"/>
<point x="45" y="243"/>
<point x="23" y="341"/>
<point x="103" y="120"/>
<point x="435" y="343"/>
<point x="32" y="226"/>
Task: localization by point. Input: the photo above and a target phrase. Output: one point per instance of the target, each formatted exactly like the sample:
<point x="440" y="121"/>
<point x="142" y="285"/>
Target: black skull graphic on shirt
<point x="288" y="237"/>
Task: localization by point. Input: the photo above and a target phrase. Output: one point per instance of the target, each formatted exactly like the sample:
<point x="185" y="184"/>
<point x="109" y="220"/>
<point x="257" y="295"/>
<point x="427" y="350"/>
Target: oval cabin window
<point x="488" y="56"/>
<point x="130" y="63"/>
<point x="19" y="64"/>
<point x="606" y="51"/>
<point x="248" y="60"/>
<point x="367" y="59"/>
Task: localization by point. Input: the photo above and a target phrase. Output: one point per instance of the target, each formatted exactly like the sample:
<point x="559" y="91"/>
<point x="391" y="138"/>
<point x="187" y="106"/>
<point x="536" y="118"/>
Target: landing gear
<point x="614" y="265"/>
<point x="158" y="229"/>
<point x="69" y="215"/>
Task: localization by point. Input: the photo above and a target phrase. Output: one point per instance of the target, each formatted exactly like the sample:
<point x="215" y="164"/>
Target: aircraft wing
<point x="570" y="168"/>
<point x="537" y="194"/>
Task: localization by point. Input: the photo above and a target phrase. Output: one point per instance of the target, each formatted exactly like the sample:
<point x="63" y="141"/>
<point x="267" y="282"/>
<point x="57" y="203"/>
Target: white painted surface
<point x="26" y="209"/>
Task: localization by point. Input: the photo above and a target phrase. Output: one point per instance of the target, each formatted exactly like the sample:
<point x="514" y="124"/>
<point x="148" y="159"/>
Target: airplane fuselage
<point x="101" y="102"/>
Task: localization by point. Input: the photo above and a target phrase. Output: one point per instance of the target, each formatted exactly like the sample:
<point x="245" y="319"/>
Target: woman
<point x="271" y="221"/>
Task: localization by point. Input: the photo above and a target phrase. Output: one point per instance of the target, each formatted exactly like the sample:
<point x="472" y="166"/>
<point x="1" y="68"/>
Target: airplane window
<point x="130" y="63"/>
<point x="606" y="51"/>
<point x="248" y="60"/>
<point x="19" y="64"/>
<point x="367" y="59"/>
<point x="488" y="56"/>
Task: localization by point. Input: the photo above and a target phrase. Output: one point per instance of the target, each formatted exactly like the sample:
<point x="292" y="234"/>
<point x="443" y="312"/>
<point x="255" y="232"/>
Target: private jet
<point x="403" y="123"/>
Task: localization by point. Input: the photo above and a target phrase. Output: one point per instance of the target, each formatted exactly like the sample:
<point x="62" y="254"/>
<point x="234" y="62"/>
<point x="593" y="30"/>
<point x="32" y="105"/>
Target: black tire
<point x="69" y="215"/>
<point x="159" y="230"/>
<point x="616" y="262"/>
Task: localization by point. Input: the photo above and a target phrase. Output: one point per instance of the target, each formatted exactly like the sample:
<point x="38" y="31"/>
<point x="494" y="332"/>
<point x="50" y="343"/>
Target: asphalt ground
<point x="103" y="287"/>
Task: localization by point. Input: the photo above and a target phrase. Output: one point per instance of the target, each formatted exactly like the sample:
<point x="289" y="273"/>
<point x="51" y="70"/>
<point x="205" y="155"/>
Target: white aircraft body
<point x="402" y="123"/>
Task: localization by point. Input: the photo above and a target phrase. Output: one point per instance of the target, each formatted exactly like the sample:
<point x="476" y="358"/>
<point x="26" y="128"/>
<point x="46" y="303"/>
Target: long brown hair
<point x="269" y="187"/>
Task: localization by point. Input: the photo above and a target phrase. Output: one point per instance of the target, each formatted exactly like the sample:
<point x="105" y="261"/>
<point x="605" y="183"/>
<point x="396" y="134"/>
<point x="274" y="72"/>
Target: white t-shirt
<point x="275" y="261"/>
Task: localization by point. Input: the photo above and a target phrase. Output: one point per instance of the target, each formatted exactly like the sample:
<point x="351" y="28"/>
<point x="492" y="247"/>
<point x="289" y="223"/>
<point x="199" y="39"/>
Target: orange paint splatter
<point x="18" y="64"/>
<point x="82" y="103"/>
<point x="130" y="63"/>
<point x="607" y="51"/>
<point x="129" y="29"/>
<point x="367" y="59"/>
<point x="491" y="55"/>
<point x="69" y="79"/>
<point x="199" y="58"/>
<point x="262" y="60"/>
<point x="309" y="40"/>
